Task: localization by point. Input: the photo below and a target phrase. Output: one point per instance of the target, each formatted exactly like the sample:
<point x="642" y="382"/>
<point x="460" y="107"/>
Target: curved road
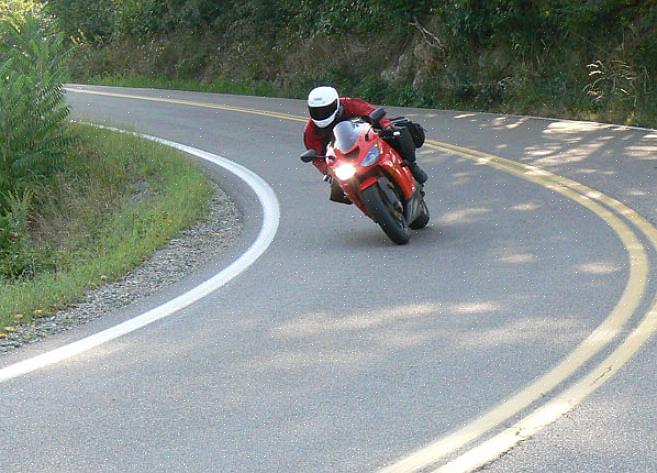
<point x="336" y="350"/>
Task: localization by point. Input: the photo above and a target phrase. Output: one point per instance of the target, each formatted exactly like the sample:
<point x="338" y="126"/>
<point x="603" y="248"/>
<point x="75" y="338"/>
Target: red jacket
<point x="317" y="138"/>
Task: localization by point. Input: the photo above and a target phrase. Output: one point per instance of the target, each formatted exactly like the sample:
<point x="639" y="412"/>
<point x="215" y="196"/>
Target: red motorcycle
<point x="374" y="177"/>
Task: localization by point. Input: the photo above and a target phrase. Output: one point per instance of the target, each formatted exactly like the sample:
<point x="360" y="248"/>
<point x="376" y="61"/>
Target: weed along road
<point x="514" y="331"/>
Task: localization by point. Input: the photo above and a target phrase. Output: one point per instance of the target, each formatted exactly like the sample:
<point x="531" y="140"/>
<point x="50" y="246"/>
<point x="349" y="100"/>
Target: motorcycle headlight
<point x="371" y="157"/>
<point x="345" y="171"/>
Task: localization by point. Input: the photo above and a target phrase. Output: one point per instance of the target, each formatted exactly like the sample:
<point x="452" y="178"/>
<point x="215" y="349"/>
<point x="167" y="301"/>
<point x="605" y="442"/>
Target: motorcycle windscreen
<point x="346" y="135"/>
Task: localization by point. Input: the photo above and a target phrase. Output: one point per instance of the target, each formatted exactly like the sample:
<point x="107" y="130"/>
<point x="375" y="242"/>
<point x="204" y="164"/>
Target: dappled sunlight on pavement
<point x="527" y="330"/>
<point x="599" y="267"/>
<point x="510" y="123"/>
<point x="574" y="127"/>
<point x="526" y="207"/>
<point x="321" y="323"/>
<point x="517" y="259"/>
<point x="643" y="152"/>
<point x="463" y="216"/>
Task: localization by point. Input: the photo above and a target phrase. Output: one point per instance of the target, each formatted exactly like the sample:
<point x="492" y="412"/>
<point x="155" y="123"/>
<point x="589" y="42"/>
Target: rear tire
<point x="391" y="221"/>
<point x="422" y="219"/>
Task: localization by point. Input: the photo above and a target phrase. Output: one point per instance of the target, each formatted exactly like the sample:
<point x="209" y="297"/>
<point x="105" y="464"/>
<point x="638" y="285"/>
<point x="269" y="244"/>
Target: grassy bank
<point x="582" y="60"/>
<point x="536" y="97"/>
<point x="220" y="86"/>
<point x="116" y="199"/>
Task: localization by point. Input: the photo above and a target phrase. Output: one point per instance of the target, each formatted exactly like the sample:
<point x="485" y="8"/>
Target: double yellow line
<point x="612" y="212"/>
<point x="190" y="103"/>
<point x="617" y="215"/>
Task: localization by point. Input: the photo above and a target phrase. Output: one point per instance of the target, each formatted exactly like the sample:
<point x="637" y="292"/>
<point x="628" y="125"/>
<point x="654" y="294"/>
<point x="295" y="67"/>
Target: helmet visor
<point x="322" y="113"/>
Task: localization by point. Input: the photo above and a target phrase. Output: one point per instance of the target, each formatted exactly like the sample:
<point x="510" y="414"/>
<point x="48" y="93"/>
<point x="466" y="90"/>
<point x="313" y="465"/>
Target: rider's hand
<point x="388" y="133"/>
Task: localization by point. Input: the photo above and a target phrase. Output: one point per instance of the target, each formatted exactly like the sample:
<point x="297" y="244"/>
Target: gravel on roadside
<point x="211" y="236"/>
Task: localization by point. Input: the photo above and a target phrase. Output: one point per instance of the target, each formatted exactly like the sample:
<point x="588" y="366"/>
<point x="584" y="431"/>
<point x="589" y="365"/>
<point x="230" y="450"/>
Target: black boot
<point x="338" y="195"/>
<point x="418" y="173"/>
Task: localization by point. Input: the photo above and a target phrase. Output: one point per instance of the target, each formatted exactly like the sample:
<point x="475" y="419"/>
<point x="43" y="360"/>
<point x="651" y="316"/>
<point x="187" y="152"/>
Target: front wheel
<point x="387" y="214"/>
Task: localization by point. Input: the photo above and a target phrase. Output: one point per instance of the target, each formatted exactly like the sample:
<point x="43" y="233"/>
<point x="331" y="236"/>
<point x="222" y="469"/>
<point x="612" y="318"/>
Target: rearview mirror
<point x="309" y="156"/>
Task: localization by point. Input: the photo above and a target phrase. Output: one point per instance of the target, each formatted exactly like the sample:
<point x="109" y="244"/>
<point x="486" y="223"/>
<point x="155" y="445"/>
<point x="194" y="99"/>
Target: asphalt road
<point x="340" y="351"/>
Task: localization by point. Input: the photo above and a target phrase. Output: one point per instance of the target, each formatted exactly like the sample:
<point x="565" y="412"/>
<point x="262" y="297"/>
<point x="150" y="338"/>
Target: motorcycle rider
<point x="327" y="109"/>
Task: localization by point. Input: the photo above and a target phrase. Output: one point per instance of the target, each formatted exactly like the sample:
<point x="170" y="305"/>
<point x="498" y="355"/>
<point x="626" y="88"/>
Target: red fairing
<point x="388" y="165"/>
<point x="317" y="138"/>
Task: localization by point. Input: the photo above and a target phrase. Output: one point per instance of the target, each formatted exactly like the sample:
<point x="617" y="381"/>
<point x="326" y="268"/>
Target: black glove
<point x="309" y="156"/>
<point x="389" y="134"/>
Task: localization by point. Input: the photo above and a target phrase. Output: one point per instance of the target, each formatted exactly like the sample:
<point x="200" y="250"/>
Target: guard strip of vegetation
<point x="117" y="199"/>
<point x="592" y="60"/>
<point x="219" y="86"/>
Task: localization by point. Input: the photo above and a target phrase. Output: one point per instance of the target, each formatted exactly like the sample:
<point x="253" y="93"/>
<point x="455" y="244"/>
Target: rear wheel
<point x="389" y="215"/>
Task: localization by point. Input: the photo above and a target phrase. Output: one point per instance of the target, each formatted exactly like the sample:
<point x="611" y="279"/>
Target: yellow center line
<point x="592" y="345"/>
<point x="601" y="205"/>
<point x="191" y="103"/>
<point x="552" y="410"/>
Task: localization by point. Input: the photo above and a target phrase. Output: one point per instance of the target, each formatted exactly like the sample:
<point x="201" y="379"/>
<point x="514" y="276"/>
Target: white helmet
<point x="323" y="105"/>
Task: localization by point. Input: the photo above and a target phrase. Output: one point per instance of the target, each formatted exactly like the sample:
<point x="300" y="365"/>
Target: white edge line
<point x="271" y="217"/>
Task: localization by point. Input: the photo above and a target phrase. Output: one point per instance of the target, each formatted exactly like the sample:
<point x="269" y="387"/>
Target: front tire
<point x="383" y="212"/>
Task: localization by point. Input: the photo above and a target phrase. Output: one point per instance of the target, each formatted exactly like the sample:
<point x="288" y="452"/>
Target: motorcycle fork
<point x="412" y="206"/>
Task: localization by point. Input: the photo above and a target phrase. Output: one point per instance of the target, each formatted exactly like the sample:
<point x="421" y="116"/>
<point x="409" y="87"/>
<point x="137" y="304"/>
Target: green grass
<point x="554" y="99"/>
<point x="118" y="199"/>
<point x="225" y="86"/>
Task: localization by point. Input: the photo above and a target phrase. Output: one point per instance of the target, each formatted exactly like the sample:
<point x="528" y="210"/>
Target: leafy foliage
<point x="92" y="21"/>
<point x="18" y="259"/>
<point x="33" y="127"/>
<point x="18" y="8"/>
<point x="558" y="57"/>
